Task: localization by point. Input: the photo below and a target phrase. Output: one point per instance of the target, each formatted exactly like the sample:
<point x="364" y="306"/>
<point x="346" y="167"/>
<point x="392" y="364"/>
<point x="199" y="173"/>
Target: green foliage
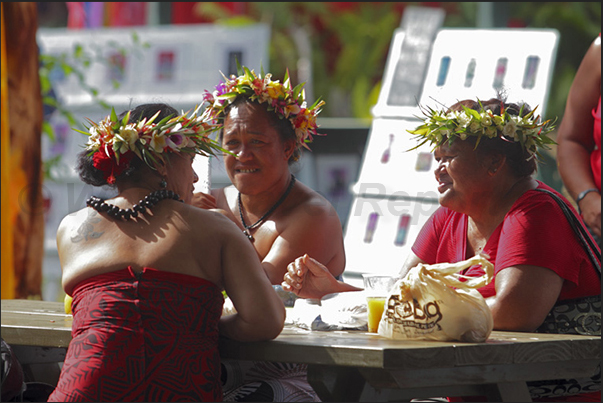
<point x="365" y="37"/>
<point x="459" y="14"/>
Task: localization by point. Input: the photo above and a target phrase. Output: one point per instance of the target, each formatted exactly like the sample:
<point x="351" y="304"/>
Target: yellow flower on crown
<point x="275" y="90"/>
<point x="498" y="121"/>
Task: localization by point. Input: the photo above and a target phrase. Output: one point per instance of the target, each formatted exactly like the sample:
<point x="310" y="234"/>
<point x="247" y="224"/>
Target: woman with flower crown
<point x="146" y="270"/>
<point x="490" y="204"/>
<point x="263" y="125"/>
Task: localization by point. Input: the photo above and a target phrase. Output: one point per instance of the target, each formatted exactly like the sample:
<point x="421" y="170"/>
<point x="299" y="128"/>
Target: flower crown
<point x="113" y="143"/>
<point x="441" y="126"/>
<point x="286" y="102"/>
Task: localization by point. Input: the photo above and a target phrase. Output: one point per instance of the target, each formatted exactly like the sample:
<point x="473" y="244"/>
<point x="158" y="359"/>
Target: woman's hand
<point x="204" y="201"/>
<point x="308" y="278"/>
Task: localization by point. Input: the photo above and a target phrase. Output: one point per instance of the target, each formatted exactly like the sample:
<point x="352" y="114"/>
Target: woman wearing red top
<point x="146" y="270"/>
<point x="486" y="154"/>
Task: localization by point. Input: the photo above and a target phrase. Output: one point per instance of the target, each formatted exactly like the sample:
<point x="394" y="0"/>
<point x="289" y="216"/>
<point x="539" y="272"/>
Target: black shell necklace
<point x="143" y="205"/>
<point x="270" y="211"/>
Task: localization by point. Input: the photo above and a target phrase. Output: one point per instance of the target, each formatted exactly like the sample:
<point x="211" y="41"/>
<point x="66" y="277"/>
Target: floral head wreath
<point x="442" y="126"/>
<point x="286" y="102"/>
<point x="113" y="142"/>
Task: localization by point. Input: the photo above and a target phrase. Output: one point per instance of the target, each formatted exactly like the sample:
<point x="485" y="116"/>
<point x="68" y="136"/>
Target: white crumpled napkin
<point x="228" y="307"/>
<point x="339" y="311"/>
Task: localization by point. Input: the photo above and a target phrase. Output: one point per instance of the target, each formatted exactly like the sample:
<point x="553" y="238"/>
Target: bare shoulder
<point x="79" y="225"/>
<point x="70" y="219"/>
<point x="311" y="205"/>
<point x="311" y="227"/>
<point x="310" y="213"/>
<point x="211" y="221"/>
<point x="596" y="44"/>
<point x="593" y="55"/>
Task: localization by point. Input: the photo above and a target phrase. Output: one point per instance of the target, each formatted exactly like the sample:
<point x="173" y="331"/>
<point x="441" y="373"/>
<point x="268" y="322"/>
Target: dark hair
<point x="85" y="166"/>
<point x="521" y="162"/>
<point x="282" y="125"/>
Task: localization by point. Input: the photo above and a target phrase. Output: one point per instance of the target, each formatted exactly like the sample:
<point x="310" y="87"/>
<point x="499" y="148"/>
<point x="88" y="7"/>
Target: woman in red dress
<point x="146" y="269"/>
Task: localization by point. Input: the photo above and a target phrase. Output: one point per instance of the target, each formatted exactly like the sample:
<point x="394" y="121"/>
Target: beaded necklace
<point x="147" y="203"/>
<point x="270" y="211"/>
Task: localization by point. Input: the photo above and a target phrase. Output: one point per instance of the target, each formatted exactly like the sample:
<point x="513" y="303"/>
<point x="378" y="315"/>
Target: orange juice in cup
<point x="375" y="306"/>
<point x="377" y="288"/>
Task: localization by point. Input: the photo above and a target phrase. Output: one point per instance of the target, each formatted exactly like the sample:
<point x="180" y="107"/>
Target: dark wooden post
<point x="25" y="115"/>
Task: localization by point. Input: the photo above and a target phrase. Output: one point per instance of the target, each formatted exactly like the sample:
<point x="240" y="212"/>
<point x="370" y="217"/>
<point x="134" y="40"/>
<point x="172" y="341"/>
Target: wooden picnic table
<point x="359" y="366"/>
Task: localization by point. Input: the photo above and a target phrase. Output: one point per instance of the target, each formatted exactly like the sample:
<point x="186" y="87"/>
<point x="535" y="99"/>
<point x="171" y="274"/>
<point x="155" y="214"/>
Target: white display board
<point x="391" y="167"/>
<point x="380" y="233"/>
<point x="475" y="63"/>
<point x="384" y="107"/>
<point x="471" y="63"/>
<point x="409" y="56"/>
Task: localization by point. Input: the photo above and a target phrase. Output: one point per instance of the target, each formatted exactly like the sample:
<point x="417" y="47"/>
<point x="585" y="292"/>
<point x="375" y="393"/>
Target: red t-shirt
<point x="534" y="232"/>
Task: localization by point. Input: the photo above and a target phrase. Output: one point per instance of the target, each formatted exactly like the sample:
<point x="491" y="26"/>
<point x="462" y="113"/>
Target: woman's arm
<point x="524" y="296"/>
<point x="308" y="278"/>
<point x="575" y="136"/>
<point x="260" y="313"/>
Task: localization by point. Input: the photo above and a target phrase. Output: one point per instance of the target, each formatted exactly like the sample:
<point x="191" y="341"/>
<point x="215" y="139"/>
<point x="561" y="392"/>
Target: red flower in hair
<point x="109" y="166"/>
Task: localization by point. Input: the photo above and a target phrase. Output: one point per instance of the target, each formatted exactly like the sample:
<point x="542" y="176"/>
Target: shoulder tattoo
<point x="86" y="230"/>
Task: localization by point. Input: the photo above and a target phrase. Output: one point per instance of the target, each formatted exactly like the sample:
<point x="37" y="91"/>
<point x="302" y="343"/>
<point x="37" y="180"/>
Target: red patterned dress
<point x="147" y="337"/>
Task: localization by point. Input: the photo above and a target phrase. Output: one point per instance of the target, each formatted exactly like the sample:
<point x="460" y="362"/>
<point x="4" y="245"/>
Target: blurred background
<point x="91" y="56"/>
<point x="346" y="43"/>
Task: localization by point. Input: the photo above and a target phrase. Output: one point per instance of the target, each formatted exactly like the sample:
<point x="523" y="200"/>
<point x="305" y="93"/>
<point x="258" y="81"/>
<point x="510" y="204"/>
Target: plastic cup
<point x="377" y="288"/>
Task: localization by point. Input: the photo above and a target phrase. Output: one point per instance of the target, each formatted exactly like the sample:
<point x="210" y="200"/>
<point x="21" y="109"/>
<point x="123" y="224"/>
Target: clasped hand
<point x="308" y="278"/>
